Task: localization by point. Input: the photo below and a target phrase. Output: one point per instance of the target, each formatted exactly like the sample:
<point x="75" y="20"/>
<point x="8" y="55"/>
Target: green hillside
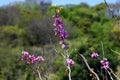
<point x="25" y="26"/>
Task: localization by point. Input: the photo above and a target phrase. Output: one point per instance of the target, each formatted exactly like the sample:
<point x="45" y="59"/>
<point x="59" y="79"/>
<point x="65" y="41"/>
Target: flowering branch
<point x="105" y="64"/>
<point x="62" y="34"/>
<point x="31" y="59"/>
<point x="86" y="63"/>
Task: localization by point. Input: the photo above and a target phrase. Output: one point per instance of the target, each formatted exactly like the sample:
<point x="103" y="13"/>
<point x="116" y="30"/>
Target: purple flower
<point x="62" y="33"/>
<point x="61" y="42"/>
<point x="70" y="61"/>
<point x="105" y="63"/>
<point x="24" y="55"/>
<point x="40" y="58"/>
<point x="59" y="31"/>
<point x="94" y="55"/>
<point x="58" y="22"/>
<point x="30" y="59"/>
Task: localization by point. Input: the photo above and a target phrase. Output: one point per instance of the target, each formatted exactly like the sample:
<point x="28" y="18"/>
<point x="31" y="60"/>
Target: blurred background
<point x="27" y="25"/>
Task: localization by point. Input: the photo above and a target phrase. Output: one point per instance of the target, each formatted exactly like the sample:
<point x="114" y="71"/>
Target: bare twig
<point x="103" y="50"/>
<point x="39" y="75"/>
<point x="45" y="77"/>
<point x="65" y="56"/>
<point x="106" y="75"/>
<point x="115" y="51"/>
<point x="58" y="52"/>
<point x="69" y="74"/>
<point x="86" y="63"/>
<point x="109" y="74"/>
<point x="68" y="65"/>
<point x="114" y="74"/>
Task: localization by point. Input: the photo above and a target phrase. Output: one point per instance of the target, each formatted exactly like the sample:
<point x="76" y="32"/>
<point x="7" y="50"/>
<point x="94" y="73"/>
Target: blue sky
<point x="63" y="2"/>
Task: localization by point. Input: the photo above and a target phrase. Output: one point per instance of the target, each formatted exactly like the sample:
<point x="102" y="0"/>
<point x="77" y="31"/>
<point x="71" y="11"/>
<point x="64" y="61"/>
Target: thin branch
<point x="109" y="74"/>
<point x="86" y="63"/>
<point x="106" y="75"/>
<point x="71" y="52"/>
<point x="114" y="73"/>
<point x="65" y="56"/>
<point x="69" y="74"/>
<point x="45" y="77"/>
<point x="103" y="50"/>
<point x="58" y="52"/>
<point x="115" y="51"/>
<point x="39" y="75"/>
<point x="68" y="65"/>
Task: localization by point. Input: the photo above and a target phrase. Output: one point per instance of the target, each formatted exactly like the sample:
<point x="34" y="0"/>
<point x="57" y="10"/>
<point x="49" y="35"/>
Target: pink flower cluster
<point x="70" y="61"/>
<point x="94" y="55"/>
<point x="59" y="31"/>
<point x="30" y="59"/>
<point x="105" y="63"/>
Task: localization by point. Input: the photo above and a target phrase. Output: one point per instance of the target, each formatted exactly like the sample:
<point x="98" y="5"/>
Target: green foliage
<point x="10" y="67"/>
<point x="27" y="26"/>
<point x="91" y="29"/>
<point x="84" y="24"/>
<point x="99" y="7"/>
<point x="11" y="35"/>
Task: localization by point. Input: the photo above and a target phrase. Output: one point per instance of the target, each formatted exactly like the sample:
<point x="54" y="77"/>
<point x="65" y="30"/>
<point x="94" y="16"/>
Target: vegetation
<point x="26" y="26"/>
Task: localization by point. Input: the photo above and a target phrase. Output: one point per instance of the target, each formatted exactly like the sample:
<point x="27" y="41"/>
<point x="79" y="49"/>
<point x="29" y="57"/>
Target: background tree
<point x="26" y="26"/>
